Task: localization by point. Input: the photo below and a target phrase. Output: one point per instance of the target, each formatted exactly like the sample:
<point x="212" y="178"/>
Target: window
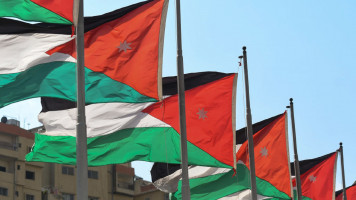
<point x="30" y="175"/>
<point x="30" y="197"/>
<point x="92" y="174"/>
<point x="3" y="191"/>
<point x="18" y="167"/>
<point x="2" y="169"/>
<point x="66" y="196"/>
<point x="29" y="149"/>
<point x="166" y="196"/>
<point x="68" y="170"/>
<point x="93" y="198"/>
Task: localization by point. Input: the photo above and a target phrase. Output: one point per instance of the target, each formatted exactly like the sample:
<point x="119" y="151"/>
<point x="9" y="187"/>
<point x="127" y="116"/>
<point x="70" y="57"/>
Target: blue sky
<point x="300" y="49"/>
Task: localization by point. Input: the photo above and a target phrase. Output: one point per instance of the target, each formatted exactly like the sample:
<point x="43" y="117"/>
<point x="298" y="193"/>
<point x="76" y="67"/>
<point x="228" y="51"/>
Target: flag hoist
<point x="341" y="151"/>
<point x="249" y="131"/>
<point x="296" y="159"/>
<point x="82" y="155"/>
<point x="181" y="99"/>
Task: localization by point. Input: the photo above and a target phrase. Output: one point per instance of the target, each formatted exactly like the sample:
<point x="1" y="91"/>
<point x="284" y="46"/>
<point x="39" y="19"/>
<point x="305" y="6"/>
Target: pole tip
<point x="244" y="48"/>
<point x="340" y="144"/>
<point x="291" y="99"/>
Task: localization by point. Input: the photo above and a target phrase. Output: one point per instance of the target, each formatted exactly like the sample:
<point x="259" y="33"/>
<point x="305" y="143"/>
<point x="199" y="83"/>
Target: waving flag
<point x="123" y="57"/>
<point x="350" y="193"/>
<point x="318" y="177"/>
<point x="50" y="11"/>
<point x="272" y="169"/>
<point x="124" y="132"/>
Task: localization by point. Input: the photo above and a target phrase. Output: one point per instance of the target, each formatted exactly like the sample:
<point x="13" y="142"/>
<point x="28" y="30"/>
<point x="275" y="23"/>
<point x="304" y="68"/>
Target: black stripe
<point x="160" y="170"/>
<point x="10" y="26"/>
<point x="192" y="80"/>
<point x="241" y="136"/>
<point x="337" y="193"/>
<point x="306" y="165"/>
<point x="53" y="104"/>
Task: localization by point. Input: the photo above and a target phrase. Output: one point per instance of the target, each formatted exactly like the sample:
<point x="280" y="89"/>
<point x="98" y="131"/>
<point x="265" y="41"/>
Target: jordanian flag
<point x="318" y="177"/>
<point x="350" y="193"/>
<point x="123" y="57"/>
<point x="124" y="132"/>
<point x="50" y="11"/>
<point x="272" y="169"/>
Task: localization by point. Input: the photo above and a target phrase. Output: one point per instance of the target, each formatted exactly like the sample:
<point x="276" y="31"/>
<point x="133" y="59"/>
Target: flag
<point x="350" y="193"/>
<point x="271" y="158"/>
<point x="123" y="57"/>
<point x="318" y="177"/>
<point x="272" y="169"/>
<point x="50" y="11"/>
<point x="124" y="132"/>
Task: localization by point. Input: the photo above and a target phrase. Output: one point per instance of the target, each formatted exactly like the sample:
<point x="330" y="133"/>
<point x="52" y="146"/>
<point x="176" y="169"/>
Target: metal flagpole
<point x="82" y="157"/>
<point x="296" y="160"/>
<point x="342" y="171"/>
<point x="251" y="151"/>
<point x="181" y="99"/>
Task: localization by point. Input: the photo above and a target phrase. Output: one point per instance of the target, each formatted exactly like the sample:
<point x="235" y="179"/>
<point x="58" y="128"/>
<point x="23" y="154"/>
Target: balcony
<point x="9" y="149"/>
<point x="6" y="177"/>
<point x="8" y="146"/>
<point x="125" y="188"/>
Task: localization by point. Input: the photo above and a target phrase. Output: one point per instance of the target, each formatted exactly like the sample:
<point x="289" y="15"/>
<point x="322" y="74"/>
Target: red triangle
<point x="271" y="154"/>
<point x="63" y="8"/>
<point x="350" y="193"/>
<point x="138" y="64"/>
<point x="318" y="182"/>
<point x="212" y="130"/>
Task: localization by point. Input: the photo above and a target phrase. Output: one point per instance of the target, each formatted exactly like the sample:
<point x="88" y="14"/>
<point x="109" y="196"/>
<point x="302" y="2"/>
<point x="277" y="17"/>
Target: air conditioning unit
<point x="13" y="122"/>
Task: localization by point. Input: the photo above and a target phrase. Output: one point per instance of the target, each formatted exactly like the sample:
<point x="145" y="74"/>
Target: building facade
<point x="20" y="180"/>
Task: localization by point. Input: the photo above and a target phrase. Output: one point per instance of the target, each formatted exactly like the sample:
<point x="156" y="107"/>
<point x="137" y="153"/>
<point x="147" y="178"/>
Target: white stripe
<point x="21" y="52"/>
<point x="169" y="184"/>
<point x="102" y="119"/>
<point x="243" y="195"/>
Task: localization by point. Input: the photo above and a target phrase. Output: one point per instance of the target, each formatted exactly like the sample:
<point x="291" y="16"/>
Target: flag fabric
<point x="124" y="132"/>
<point x="350" y="193"/>
<point x="318" y="177"/>
<point x="272" y="168"/>
<point x="50" y="11"/>
<point x="123" y="57"/>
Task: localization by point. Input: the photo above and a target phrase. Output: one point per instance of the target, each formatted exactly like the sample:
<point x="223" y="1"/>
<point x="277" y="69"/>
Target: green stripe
<point x="295" y="196"/>
<point x="221" y="185"/>
<point x="57" y="79"/>
<point x="146" y="144"/>
<point x="29" y="11"/>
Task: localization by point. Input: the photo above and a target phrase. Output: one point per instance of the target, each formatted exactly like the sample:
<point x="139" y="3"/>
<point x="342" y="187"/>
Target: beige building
<point x="20" y="180"/>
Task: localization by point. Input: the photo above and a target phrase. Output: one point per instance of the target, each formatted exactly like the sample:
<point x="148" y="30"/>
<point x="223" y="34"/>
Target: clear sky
<point x="301" y="49"/>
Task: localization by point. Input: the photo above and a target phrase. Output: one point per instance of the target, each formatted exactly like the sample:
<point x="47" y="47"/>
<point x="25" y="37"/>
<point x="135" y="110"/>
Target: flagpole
<point x="341" y="150"/>
<point x="251" y="151"/>
<point x="296" y="160"/>
<point x="181" y="98"/>
<point x="82" y="156"/>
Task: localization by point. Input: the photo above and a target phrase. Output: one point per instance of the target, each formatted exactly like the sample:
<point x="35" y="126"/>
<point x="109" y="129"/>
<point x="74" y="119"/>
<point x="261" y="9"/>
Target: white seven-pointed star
<point x="264" y="151"/>
<point x="124" y="46"/>
<point x="312" y="178"/>
<point x="202" y="113"/>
